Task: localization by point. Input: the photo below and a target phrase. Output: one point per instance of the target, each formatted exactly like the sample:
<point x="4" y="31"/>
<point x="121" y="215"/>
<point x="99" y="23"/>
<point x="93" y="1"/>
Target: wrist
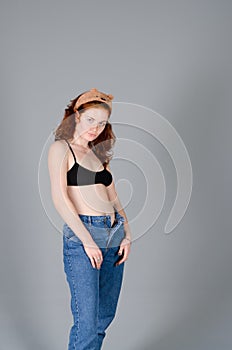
<point x="89" y="243"/>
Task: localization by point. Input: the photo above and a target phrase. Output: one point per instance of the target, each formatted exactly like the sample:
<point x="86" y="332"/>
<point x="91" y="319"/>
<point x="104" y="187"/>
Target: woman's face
<point x="92" y="122"/>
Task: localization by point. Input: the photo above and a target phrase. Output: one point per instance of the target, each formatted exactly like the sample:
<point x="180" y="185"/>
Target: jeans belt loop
<point x="89" y="220"/>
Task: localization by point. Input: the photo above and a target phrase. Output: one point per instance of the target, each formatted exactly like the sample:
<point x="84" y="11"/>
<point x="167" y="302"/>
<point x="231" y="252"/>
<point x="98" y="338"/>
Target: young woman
<point x="96" y="234"/>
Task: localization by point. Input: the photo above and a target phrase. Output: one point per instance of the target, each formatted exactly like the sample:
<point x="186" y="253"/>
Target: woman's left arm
<point x="114" y="199"/>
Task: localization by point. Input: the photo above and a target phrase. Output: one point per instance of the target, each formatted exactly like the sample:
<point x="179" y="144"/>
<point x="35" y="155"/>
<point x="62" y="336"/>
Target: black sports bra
<point x="80" y="176"/>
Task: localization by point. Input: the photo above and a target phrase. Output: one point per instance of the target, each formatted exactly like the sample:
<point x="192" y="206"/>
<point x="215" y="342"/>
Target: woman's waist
<point x="91" y="204"/>
<point x="102" y="218"/>
<point x="95" y="206"/>
<point x="97" y="214"/>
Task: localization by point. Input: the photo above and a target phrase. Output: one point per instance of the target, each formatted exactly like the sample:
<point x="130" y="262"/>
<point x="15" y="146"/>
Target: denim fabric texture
<point x="94" y="293"/>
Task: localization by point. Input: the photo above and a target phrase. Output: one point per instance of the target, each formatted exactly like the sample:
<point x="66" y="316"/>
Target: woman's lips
<point x="93" y="135"/>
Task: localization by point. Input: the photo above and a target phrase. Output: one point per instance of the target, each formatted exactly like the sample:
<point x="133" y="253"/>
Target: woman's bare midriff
<point x="87" y="198"/>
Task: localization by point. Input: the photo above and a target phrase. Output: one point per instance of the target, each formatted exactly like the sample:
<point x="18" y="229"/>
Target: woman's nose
<point x="95" y="127"/>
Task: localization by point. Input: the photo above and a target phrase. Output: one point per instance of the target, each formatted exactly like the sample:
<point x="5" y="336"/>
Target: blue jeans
<point x="94" y="293"/>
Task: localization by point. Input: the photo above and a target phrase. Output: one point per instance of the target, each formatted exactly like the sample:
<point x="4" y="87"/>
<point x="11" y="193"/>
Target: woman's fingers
<point x="95" y="256"/>
<point x="123" y="250"/>
<point x="123" y="259"/>
<point x="92" y="262"/>
<point x="98" y="261"/>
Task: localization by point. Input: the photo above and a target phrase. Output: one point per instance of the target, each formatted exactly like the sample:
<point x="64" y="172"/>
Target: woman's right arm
<point x="57" y="165"/>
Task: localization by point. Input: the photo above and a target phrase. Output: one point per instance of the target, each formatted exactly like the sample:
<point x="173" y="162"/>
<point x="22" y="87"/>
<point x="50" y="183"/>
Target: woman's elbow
<point x="58" y="199"/>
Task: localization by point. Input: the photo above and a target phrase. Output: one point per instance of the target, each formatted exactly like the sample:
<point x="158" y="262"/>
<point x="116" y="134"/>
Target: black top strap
<point x="71" y="151"/>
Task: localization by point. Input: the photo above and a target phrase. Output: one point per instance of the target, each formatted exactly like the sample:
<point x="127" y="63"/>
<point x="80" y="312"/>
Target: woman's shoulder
<point x="58" y="147"/>
<point x="58" y="144"/>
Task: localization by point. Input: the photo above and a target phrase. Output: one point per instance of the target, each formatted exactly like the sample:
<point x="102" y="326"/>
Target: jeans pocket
<point x="70" y="238"/>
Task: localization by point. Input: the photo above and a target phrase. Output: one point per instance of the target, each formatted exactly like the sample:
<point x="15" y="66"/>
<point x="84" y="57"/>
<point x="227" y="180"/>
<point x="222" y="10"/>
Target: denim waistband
<point x="91" y="219"/>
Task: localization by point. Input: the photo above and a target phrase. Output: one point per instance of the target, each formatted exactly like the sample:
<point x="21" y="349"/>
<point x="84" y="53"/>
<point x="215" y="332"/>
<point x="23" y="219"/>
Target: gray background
<point x="171" y="56"/>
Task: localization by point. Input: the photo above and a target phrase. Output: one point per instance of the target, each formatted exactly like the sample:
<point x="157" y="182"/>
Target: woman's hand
<point x="95" y="255"/>
<point x="124" y="250"/>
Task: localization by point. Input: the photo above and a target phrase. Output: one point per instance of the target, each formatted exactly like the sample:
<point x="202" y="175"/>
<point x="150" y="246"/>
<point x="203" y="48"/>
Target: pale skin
<point x="70" y="200"/>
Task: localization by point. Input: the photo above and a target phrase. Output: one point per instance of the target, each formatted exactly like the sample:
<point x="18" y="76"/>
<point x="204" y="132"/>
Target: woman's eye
<point x="90" y="120"/>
